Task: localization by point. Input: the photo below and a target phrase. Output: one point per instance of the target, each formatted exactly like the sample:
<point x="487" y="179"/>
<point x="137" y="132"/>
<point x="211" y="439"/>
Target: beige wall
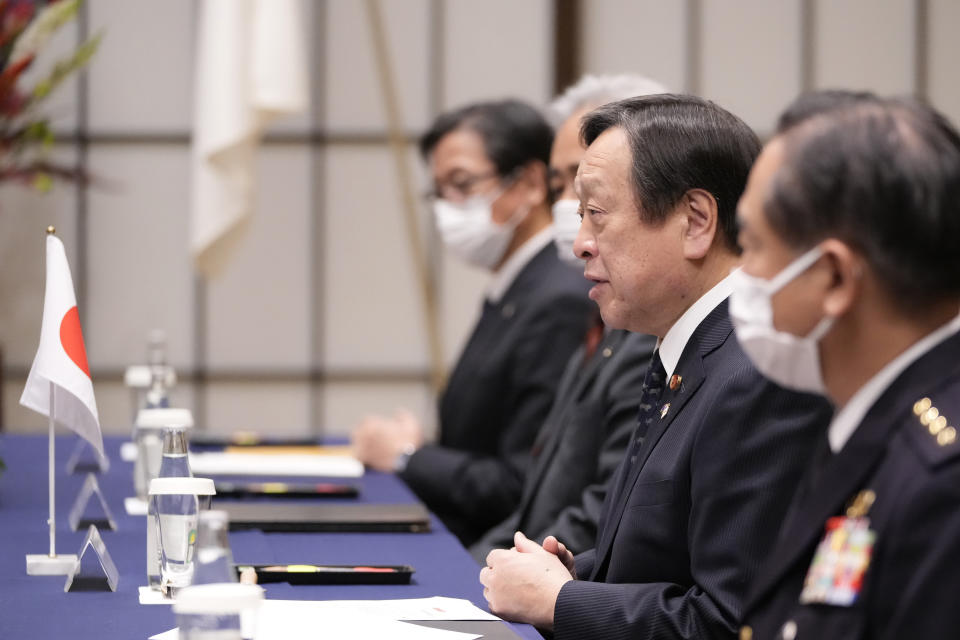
<point x="317" y="319"/>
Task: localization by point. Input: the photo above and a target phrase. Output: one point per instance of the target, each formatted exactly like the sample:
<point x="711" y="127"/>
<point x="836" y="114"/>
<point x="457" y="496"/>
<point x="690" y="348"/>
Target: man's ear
<point x="845" y="278"/>
<point x="533" y="176"/>
<point x="699" y="209"/>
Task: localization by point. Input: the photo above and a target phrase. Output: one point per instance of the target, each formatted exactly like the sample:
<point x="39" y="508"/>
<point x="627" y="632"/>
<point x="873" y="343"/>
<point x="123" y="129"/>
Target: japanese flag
<point x="61" y="359"/>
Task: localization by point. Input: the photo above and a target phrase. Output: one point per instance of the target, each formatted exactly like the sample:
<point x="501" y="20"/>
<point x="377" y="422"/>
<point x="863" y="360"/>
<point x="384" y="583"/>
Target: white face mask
<point x="566" y="225"/>
<point x="469" y="231"/>
<point x="791" y="361"/>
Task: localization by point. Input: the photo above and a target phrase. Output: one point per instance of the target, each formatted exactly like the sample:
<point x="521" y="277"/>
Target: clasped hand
<point x="378" y="440"/>
<point x="522" y="584"/>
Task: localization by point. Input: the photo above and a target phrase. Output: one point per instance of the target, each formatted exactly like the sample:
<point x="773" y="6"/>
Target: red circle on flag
<point x="71" y="337"/>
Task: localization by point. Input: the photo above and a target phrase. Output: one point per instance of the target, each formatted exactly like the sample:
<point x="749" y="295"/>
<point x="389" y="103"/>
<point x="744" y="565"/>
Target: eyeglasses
<point x="459" y="188"/>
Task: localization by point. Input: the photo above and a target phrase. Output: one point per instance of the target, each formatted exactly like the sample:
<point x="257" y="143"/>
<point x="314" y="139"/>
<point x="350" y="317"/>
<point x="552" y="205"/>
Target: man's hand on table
<point x="379" y="441"/>
<point x="522" y="584"/>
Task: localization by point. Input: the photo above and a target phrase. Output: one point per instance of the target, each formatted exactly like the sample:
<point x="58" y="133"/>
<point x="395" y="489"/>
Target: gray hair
<point x="596" y="90"/>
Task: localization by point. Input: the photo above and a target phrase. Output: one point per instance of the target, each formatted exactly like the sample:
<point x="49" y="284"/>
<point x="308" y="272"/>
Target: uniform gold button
<point x="937" y="425"/>
<point x="921" y="405"/>
<point x="607" y="352"/>
<point x="860" y="506"/>
<point x="929" y="415"/>
<point x="746" y="633"/>
<point x="947" y="436"/>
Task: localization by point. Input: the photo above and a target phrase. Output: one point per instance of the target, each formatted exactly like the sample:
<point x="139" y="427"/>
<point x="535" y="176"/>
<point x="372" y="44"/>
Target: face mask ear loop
<point x="822" y="328"/>
<point x="794" y="269"/>
<point x="517" y="216"/>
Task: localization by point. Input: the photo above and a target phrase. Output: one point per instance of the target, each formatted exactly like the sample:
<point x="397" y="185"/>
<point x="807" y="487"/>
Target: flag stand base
<point x="45" y="565"/>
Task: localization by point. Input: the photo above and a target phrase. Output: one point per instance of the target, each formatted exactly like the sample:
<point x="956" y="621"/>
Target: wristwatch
<point x="403" y="458"/>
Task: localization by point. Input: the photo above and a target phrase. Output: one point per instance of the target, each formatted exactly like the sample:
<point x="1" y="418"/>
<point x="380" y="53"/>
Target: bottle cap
<point x="182" y="486"/>
<point x="160" y="418"/>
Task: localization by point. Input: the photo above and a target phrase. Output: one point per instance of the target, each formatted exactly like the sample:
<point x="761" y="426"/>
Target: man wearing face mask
<point x="850" y="288"/>
<point x="585" y="434"/>
<point x="717" y="450"/>
<point x="491" y="205"/>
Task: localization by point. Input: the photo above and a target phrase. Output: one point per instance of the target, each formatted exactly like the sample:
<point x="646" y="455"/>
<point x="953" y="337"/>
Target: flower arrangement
<point x="26" y="137"/>
<point x="25" y="134"/>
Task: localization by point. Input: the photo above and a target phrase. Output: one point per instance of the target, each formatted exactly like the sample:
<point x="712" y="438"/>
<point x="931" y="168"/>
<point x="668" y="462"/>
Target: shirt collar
<point x="672" y="345"/>
<point x="513" y="265"/>
<point x="846" y="421"/>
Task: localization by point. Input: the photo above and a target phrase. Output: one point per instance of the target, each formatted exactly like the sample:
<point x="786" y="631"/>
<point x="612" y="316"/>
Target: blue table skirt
<point x="37" y="607"/>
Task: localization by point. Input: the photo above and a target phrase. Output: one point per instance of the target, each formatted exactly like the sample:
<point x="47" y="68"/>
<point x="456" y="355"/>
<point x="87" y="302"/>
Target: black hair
<point x="679" y="143"/>
<point x="513" y="133"/>
<point x="882" y="175"/>
<point x="814" y="103"/>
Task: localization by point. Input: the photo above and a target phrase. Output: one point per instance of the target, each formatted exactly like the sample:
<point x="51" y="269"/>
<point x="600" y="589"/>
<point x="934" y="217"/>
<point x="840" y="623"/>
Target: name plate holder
<point x="86" y="512"/>
<point x="94" y="569"/>
<point x="87" y="459"/>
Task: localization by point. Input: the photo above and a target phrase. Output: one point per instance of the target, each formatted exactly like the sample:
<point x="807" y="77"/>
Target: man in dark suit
<point x="586" y="432"/>
<point x="491" y="205"/>
<point x="850" y="217"/>
<point x="579" y="447"/>
<point x="718" y="449"/>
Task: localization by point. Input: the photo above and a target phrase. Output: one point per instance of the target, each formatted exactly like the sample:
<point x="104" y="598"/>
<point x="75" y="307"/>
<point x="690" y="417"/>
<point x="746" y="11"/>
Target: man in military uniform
<point x="850" y="288"/>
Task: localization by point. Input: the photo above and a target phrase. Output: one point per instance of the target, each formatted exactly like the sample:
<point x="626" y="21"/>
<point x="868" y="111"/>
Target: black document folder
<point x="298" y="516"/>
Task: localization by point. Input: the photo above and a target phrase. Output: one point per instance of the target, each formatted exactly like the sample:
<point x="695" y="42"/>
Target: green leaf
<point x="42" y="28"/>
<point x="43" y="182"/>
<point x="64" y="68"/>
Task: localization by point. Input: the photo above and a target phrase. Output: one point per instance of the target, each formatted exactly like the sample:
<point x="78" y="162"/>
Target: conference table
<point x="38" y="607"/>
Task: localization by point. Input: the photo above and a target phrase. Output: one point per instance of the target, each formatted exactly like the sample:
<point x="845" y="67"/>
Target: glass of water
<point x="175" y="503"/>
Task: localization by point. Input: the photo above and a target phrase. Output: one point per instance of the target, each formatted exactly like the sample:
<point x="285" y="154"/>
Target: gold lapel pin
<point x="675" y="381"/>
<point x="664" y="409"/>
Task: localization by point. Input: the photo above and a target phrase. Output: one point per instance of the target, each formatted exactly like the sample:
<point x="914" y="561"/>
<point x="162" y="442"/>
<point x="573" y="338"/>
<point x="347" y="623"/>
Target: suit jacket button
<point x="789" y="631"/>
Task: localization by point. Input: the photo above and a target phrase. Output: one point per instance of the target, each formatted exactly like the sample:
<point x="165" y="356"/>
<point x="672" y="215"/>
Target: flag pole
<point x="51" y="564"/>
<point x="51" y="455"/>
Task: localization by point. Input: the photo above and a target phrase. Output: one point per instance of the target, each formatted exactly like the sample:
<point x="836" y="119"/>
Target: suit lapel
<point x="552" y="430"/>
<point x="848" y="470"/>
<point x="711" y="333"/>
<point x="575" y="382"/>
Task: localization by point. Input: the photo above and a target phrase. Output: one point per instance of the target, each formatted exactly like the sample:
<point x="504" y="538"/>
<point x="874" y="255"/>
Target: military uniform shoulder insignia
<point x="934" y="432"/>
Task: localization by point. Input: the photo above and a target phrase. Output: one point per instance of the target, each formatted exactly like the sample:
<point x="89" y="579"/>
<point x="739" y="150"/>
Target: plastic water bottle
<point x="178" y="512"/>
<point x="158" y="395"/>
<point x="213" y="564"/>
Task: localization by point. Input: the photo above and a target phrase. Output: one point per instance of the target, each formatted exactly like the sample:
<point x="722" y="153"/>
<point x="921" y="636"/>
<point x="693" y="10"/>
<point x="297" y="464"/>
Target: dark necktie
<point x="650" y="395"/>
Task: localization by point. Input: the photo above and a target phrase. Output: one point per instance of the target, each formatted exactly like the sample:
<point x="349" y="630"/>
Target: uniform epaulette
<point x="934" y="431"/>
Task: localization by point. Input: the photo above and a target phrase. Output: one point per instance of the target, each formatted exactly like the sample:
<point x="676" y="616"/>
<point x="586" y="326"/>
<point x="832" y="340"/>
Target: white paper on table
<point x="435" y="608"/>
<point x="286" y="620"/>
<point x="135" y="506"/>
<point x="222" y="463"/>
<point x="153" y="596"/>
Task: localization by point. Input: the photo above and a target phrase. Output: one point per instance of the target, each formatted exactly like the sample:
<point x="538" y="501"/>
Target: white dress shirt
<point x="510" y="269"/>
<point x="672" y="345"/>
<point x="847" y="419"/>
